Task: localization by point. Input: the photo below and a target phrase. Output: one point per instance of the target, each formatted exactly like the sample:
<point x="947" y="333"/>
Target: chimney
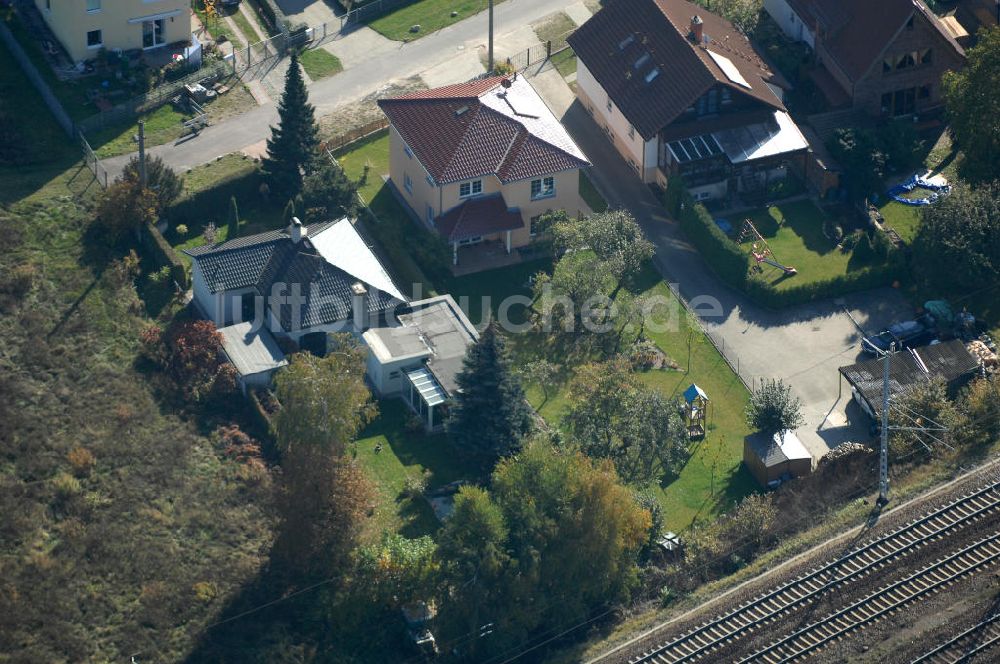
<point x="697" y="27"/>
<point x="296" y="230"/>
<point x="359" y="305"/>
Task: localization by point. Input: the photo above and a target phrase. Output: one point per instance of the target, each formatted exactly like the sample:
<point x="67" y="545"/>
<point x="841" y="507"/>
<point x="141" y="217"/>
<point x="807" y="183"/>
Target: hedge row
<point x="162" y="254"/>
<point x="732" y="264"/>
<point x="725" y="256"/>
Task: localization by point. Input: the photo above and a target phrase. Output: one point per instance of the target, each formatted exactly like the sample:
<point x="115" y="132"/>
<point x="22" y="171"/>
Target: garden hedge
<point x="162" y="254"/>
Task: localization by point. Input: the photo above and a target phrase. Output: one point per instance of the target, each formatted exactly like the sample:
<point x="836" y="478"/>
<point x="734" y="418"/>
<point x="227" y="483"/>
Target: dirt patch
<point x="356" y="114"/>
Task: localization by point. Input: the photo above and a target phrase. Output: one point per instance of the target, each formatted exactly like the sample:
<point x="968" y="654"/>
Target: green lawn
<point x="904" y="219"/>
<point x="406" y="454"/>
<point x="564" y="61"/>
<point x="430" y="15"/>
<point x="319" y="63"/>
<point x="795" y="234"/>
<point x="162" y="126"/>
<point x="245" y="26"/>
<point x="590" y="195"/>
<point x="205" y="199"/>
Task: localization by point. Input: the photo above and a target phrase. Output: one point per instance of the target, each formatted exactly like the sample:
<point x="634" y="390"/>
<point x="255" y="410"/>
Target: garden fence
<point x="153" y="99"/>
<point x="356" y="134"/>
<point x="92" y="162"/>
<point x="61" y="116"/>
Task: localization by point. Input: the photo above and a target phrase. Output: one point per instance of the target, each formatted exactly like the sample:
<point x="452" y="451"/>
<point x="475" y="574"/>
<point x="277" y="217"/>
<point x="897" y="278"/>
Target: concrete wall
<point x="789" y="22"/>
<point x="388" y="379"/>
<point x="639" y="154"/>
<point x="70" y="22"/>
<point x="423" y="194"/>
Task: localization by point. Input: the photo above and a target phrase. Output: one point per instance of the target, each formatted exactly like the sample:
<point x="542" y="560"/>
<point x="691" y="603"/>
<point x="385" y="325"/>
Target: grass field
<point x="904" y="219"/>
<point x="126" y="529"/>
<point x="795" y="234"/>
<point x="319" y="63"/>
<point x="430" y="15"/>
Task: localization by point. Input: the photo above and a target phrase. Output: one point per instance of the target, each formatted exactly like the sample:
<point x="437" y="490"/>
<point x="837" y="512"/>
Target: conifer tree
<point x="490" y="417"/>
<point x="290" y="150"/>
<point x="234" y="219"/>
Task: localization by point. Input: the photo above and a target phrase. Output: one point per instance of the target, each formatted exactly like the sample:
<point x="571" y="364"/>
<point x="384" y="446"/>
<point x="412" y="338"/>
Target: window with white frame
<point x="408" y="151"/>
<point x="543" y="187"/>
<point x="93" y="5"/>
<point x="407" y="182"/>
<point x="471" y="188"/>
<point x="430" y="215"/>
<point x="94" y="39"/>
<point x="609" y="105"/>
<point x="631" y="131"/>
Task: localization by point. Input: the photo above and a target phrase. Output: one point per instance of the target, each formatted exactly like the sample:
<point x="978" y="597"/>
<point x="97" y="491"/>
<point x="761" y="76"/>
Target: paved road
<point x="354" y="83"/>
<point x="803" y="345"/>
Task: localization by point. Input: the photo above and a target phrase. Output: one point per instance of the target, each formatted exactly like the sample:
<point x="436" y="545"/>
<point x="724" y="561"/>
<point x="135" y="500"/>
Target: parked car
<point x="908" y="334"/>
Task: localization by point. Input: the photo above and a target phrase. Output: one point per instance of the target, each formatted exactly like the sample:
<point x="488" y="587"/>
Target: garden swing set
<point x="761" y="251"/>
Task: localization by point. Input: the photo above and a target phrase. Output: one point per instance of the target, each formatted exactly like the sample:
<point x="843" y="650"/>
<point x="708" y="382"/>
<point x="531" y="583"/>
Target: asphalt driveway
<point x="802" y="345"/>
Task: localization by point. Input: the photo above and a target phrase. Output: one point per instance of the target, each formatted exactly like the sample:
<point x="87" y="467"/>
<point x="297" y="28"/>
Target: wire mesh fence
<point x="92" y="162"/>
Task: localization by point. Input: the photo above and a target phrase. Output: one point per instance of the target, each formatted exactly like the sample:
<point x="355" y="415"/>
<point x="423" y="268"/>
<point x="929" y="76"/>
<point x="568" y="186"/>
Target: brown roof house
<point x="884" y="58"/>
<point x="479" y="162"/>
<point x="680" y="91"/>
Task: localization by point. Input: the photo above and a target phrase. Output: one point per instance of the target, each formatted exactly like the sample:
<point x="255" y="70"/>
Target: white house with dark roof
<point x="303" y="282"/>
<point x="479" y="162"/>
<point x="299" y="282"/>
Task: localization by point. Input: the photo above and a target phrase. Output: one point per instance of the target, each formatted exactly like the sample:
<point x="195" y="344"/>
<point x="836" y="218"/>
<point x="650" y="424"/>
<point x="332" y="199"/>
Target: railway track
<point x="963" y="647"/>
<point x="886" y="600"/>
<point x="710" y="636"/>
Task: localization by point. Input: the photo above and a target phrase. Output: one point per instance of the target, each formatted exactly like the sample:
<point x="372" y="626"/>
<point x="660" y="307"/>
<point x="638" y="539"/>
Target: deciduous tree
<point x="490" y="416"/>
<point x="323" y="498"/>
<point x="125" y="207"/>
<point x="615" y="238"/>
<point x="773" y="408"/>
<point x="611" y="415"/>
<point x="957" y="247"/>
<point x="972" y="97"/>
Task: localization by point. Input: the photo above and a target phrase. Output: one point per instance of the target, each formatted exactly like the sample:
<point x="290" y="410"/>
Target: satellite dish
<point x="506" y="83"/>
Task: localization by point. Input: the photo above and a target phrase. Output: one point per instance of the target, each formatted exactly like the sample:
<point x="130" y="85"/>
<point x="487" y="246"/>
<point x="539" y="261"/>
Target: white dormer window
<point x="543" y="187"/>
<point x="471" y="188"/>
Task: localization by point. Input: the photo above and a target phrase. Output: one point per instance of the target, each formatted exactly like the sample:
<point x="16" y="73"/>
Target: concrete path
<point x="802" y="345"/>
<point x="578" y="12"/>
<point x="354" y="83"/>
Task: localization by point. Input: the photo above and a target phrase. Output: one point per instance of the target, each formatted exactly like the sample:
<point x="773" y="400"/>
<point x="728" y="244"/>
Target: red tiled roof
<point x="618" y="37"/>
<point x="458" y="137"/>
<point x="856" y="32"/>
<point x="478" y="216"/>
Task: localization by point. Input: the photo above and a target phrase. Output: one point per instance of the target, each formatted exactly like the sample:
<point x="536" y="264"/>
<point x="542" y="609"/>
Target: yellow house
<point x="479" y="162"/>
<point x="85" y="26"/>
